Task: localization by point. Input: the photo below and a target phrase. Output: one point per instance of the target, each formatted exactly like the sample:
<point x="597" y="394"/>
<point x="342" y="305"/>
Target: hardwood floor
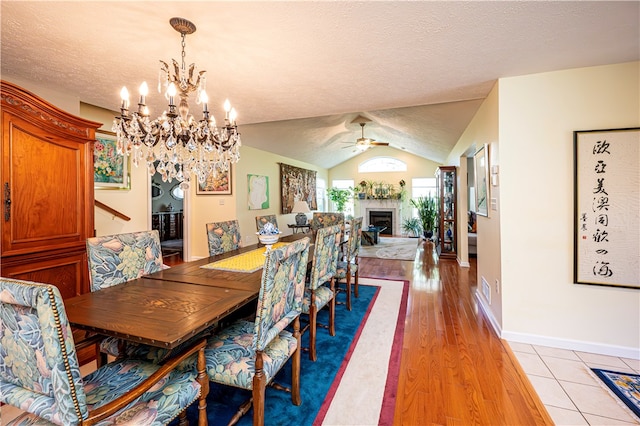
<point x="454" y="369"/>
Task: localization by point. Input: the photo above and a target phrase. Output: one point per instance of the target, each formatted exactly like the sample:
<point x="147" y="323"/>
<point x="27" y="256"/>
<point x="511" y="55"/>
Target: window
<point x="321" y="194"/>
<point x="421" y="187"/>
<point x="382" y="164"/>
<point x="349" y="208"/>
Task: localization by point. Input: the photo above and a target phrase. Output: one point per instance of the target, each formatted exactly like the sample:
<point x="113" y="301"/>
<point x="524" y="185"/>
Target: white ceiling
<point x="299" y="72"/>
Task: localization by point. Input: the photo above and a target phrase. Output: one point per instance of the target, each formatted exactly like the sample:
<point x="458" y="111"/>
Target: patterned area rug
<point x="392" y="248"/>
<point x="623" y="385"/>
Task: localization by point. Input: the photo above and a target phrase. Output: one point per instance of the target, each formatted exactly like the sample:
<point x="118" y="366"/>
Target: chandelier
<point x="181" y="145"/>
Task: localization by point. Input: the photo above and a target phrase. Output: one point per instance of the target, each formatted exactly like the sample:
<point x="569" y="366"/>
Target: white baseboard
<point x="463" y="264"/>
<point x="487" y="311"/>
<point x="573" y="345"/>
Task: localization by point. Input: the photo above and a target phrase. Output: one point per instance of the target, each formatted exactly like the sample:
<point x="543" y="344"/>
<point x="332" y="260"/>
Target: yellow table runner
<point x="248" y="262"/>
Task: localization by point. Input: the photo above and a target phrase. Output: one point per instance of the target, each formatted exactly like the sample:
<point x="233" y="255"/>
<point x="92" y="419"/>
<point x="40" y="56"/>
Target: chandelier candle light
<point x="181" y="145"/>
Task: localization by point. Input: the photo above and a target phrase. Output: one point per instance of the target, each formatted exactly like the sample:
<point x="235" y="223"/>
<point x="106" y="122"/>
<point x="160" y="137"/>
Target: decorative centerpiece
<point x="269" y="235"/>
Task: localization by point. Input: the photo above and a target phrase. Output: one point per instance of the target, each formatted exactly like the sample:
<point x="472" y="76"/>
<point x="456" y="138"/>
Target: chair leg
<point x="349" y="289"/>
<point x="259" y="385"/>
<point x="332" y="310"/>
<point x="313" y="315"/>
<point x="203" y="379"/>
<point x="183" y="419"/>
<point x="295" y="365"/>
<point x="355" y="283"/>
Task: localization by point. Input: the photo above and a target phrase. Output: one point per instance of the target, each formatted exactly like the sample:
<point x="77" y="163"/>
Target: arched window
<point x="382" y="164"/>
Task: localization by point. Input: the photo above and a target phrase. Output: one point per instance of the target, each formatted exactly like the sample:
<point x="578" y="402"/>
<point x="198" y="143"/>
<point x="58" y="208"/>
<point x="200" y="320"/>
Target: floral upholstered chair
<point x="262" y="220"/>
<point x="320" y="220"/>
<point x="348" y="267"/>
<point x="116" y="259"/>
<point x="39" y="371"/>
<point x="317" y="295"/>
<point x="223" y="237"/>
<point x="248" y="354"/>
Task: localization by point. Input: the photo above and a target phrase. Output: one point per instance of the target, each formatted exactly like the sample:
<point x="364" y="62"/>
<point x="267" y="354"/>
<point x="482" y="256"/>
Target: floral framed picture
<point x="218" y="183"/>
<point x="110" y="169"/>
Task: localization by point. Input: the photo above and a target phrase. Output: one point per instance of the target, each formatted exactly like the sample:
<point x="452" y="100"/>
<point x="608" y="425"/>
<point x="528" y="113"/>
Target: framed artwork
<point x="481" y="170"/>
<point x="297" y="184"/>
<point x="258" y="192"/>
<point x="607" y="207"/>
<point x="110" y="169"/>
<point x="217" y="183"/>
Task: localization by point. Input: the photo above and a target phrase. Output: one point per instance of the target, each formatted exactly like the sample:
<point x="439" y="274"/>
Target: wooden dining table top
<point x="168" y="307"/>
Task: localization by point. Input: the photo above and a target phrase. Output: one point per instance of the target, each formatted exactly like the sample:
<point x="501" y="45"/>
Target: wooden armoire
<point x="47" y="192"/>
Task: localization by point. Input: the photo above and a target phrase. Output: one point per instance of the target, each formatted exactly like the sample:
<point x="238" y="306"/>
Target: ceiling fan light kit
<point x="362" y="143"/>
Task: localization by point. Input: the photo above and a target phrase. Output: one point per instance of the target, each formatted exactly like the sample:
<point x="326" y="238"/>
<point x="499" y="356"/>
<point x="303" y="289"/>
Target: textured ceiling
<point x="299" y="72"/>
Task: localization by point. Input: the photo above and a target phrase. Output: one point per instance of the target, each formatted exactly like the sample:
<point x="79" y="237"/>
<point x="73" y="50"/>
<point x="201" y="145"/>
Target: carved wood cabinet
<point x="47" y="192"/>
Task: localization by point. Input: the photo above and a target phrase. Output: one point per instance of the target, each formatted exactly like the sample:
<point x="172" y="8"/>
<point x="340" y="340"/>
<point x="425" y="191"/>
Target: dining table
<point x="169" y="307"/>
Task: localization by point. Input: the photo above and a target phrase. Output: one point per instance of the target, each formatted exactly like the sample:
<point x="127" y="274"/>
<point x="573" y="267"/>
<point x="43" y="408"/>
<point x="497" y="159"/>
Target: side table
<point x="370" y="235"/>
<point x="302" y="228"/>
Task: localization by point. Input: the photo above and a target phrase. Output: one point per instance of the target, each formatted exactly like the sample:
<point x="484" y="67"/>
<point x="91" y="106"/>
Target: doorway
<point x="167" y="217"/>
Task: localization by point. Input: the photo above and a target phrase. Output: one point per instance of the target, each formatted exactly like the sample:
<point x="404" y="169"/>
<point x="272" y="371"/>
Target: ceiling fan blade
<point x="379" y="143"/>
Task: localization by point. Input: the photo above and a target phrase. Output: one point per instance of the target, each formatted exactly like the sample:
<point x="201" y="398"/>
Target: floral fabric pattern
<point x="320" y="220"/>
<point x="323" y="295"/>
<point x="231" y="352"/>
<point x="263" y="220"/>
<point x="39" y="371"/>
<point x="115" y="259"/>
<point x="223" y="236"/>
<point x="325" y="259"/>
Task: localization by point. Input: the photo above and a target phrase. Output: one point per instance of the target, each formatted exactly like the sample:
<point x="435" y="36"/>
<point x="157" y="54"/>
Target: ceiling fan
<point x="362" y="143"/>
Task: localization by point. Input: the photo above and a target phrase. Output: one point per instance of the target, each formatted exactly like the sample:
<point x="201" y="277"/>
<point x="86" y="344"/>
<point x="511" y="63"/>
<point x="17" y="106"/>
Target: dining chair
<point x="317" y="295"/>
<point x="116" y="259"/>
<point x="223" y="236"/>
<point x="348" y="267"/>
<point x="40" y="373"/>
<point x="248" y="354"/>
<point x="263" y="220"/>
<point x="322" y="219"/>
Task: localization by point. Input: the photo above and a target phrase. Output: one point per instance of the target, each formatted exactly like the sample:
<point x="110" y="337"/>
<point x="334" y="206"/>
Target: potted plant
<point x="427" y="212"/>
<point x="339" y="197"/>
<point x="412" y="226"/>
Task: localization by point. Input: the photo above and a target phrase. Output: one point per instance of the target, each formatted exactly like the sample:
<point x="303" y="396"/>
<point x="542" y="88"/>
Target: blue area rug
<point x="316" y="378"/>
<point x="625" y="386"/>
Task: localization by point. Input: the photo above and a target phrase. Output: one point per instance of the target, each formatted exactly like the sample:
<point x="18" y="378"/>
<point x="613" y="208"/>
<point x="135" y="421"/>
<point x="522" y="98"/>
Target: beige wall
<point x="538" y="114"/>
<point x="483" y="129"/>
<point x="417" y="167"/>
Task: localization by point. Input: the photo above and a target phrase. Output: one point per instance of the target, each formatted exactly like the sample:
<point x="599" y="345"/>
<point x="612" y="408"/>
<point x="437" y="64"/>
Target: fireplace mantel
<point x="395" y="206"/>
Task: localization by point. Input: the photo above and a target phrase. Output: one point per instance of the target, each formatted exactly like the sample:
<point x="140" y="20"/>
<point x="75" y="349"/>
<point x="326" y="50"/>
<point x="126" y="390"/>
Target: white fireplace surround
<point x="394" y="206"/>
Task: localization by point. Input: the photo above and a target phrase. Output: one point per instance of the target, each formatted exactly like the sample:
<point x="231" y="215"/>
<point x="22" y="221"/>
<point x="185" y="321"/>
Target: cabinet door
<point x="44" y="188"/>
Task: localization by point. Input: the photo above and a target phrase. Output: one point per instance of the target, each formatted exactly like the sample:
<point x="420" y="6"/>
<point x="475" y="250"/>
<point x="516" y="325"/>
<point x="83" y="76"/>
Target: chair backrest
<point x="223" y="236"/>
<point x="262" y="220"/>
<point x="325" y="255"/>
<point x="320" y="220"/>
<point x="115" y="259"/>
<point x="281" y="291"/>
<point x="355" y="236"/>
<point x="39" y="370"/>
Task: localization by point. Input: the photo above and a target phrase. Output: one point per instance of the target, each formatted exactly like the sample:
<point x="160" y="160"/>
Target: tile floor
<point x="569" y="390"/>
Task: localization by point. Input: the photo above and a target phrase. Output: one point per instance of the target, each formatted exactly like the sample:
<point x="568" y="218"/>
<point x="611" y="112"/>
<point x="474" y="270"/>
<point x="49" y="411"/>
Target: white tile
<point x="633" y="363"/>
<point x="605" y="421"/>
<point x="596" y="400"/>
<point x="532" y="364"/>
<point x="571" y="371"/>
<point x="551" y="393"/>
<point x="611" y="361"/>
<point x="557" y="353"/>
<point x="562" y="416"/>
<point x="521" y="347"/>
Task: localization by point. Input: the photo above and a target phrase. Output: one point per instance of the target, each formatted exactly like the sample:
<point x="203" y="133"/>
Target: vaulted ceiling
<point x="299" y="72"/>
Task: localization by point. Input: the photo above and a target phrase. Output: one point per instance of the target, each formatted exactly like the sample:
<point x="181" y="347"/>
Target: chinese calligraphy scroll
<point x="607" y="207"/>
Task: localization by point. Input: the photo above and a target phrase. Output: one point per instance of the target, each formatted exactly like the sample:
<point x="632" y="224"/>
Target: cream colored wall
<point x="256" y="162"/>
<point x="417" y="167"/>
<point x="483" y="129"/>
<point x="134" y="203"/>
<point x="538" y="114"/>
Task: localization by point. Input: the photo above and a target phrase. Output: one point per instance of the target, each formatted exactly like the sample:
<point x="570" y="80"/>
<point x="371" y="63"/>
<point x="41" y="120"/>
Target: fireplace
<point x="382" y="219"/>
<point x="364" y="208"/>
